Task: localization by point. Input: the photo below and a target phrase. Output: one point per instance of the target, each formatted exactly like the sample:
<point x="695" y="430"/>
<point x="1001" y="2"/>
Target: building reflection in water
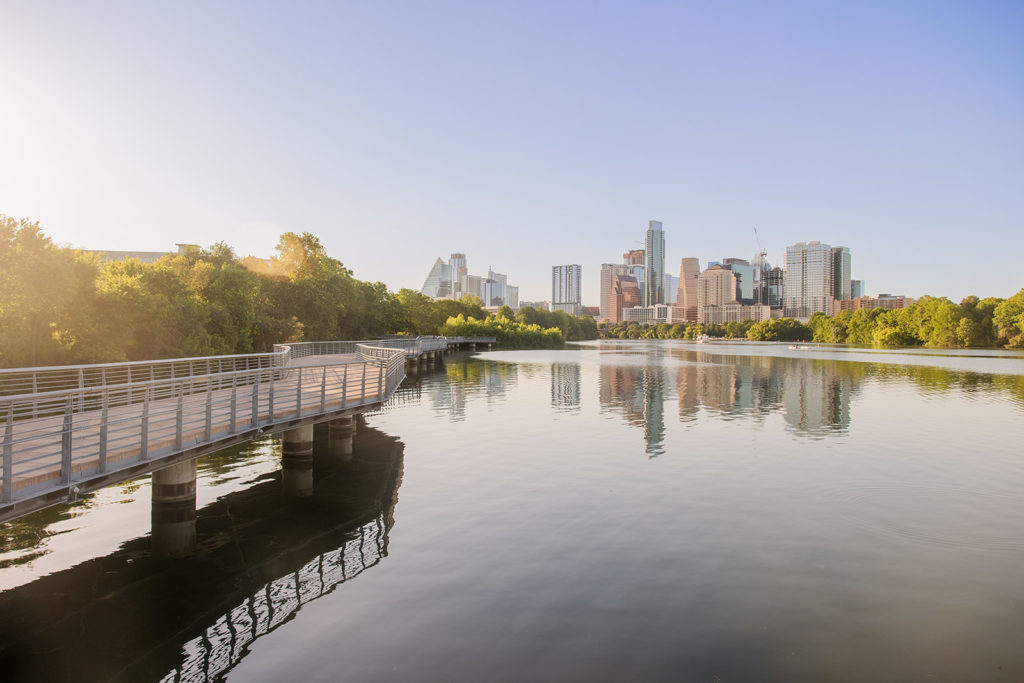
<point x="260" y="557"/>
<point x="565" y="386"/>
<point x="813" y="397"/>
<point x="459" y="382"/>
<point x="637" y="393"/>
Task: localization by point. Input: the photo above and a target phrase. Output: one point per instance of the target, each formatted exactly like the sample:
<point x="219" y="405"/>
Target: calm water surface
<point x="617" y="511"/>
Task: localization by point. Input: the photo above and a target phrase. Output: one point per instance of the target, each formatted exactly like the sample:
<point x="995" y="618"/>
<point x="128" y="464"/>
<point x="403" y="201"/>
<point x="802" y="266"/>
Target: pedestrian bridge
<point x="72" y="429"/>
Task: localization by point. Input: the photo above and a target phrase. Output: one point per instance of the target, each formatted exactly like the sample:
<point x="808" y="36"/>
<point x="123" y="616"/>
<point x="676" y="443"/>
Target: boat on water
<point x="703" y="339"/>
<point x="802" y="347"/>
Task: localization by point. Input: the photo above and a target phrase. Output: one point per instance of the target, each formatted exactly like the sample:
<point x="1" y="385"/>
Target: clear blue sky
<point x="527" y="134"/>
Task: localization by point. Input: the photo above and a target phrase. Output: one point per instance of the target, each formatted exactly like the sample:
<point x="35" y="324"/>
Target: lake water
<point x="615" y="511"/>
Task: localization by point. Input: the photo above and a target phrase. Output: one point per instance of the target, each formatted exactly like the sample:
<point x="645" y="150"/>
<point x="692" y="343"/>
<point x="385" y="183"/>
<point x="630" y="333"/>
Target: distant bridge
<point x="72" y="429"/>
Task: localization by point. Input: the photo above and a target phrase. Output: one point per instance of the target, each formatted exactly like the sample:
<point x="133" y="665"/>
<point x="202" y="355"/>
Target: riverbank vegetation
<point x="62" y="306"/>
<point x="931" y="321"/>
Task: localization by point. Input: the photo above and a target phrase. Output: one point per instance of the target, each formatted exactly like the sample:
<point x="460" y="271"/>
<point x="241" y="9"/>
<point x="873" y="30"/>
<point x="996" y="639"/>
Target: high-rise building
<point x="654" y="265"/>
<point x="494" y="289"/>
<point x="841" y="283"/>
<point x="809" y="285"/>
<point x="689" y="272"/>
<point x="627" y="295"/>
<point x="856" y="289"/>
<point x="458" y="270"/>
<point x="671" y="288"/>
<point x="633" y="257"/>
<point x="473" y="285"/>
<point x="438" y="284"/>
<point x="716" y="286"/>
<point x="774" y="287"/>
<point x="746" y="274"/>
<point x="609" y="271"/>
<point x="512" y="299"/>
<point x="565" y="288"/>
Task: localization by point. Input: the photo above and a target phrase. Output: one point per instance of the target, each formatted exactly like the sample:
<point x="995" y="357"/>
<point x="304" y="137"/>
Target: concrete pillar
<point x="174" y="510"/>
<point x="297" y="461"/>
<point x="339" y="437"/>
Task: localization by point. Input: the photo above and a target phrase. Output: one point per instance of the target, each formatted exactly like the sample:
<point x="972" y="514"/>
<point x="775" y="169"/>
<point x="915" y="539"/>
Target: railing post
<point x="380" y="382"/>
<point x="35" y="390"/>
<point x="179" y="418"/>
<point x="298" y="394"/>
<point x="81" y="385"/>
<point x="323" y="389"/>
<point x="8" y="490"/>
<point x="105" y="406"/>
<point x="144" y="439"/>
<point x="234" y="401"/>
<point x="344" y="387"/>
<point x="65" y="444"/>
<point x="256" y="401"/>
<point x="270" y="397"/>
<point x="209" y="409"/>
<point x="362" y="398"/>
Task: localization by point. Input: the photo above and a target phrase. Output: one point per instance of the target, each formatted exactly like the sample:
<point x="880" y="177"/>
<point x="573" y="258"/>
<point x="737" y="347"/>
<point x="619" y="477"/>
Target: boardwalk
<point x="72" y="429"/>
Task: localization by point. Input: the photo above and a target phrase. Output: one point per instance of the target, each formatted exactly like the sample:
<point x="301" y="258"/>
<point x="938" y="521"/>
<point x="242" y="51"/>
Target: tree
<point x="1008" y="317"/>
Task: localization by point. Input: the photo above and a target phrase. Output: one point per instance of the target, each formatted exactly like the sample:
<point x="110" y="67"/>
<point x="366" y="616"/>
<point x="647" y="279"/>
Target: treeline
<point x="635" y="330"/>
<point x="930" y="321"/>
<point x="61" y="306"/>
<point x="530" y="328"/>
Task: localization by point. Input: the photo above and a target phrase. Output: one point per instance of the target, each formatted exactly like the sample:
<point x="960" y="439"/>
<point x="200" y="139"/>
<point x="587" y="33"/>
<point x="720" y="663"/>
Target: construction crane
<point x="763" y="266"/>
<point x="760" y="250"/>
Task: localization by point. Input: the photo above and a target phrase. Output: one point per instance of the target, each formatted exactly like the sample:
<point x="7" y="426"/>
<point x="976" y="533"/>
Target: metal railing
<point x="412" y="346"/>
<point x="16" y="381"/>
<point x="53" y="438"/>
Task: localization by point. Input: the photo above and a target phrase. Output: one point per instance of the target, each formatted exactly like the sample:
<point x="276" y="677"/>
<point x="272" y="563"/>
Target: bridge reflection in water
<point x="261" y="556"/>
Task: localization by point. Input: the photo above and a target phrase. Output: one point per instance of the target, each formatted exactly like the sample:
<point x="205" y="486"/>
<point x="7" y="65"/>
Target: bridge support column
<point x="297" y="461"/>
<point x="174" y="510"/>
<point x="339" y="437"/>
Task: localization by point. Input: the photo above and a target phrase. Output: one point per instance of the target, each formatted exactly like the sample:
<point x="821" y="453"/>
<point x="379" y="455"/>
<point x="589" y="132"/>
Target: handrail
<point x="74" y="433"/>
<point x="37" y="380"/>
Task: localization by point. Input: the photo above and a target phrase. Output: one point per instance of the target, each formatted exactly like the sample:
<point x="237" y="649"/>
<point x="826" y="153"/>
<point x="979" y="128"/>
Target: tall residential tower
<point x="654" y="264"/>
<point x="565" y="288"/>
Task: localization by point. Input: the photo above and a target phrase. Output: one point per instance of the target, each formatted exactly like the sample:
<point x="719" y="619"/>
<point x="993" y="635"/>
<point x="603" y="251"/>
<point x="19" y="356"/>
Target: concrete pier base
<point x="339" y="437"/>
<point x="174" y="510"/>
<point x="297" y="461"/>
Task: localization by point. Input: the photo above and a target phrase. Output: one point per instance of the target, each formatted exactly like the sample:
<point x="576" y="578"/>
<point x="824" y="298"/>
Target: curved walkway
<point x="67" y="430"/>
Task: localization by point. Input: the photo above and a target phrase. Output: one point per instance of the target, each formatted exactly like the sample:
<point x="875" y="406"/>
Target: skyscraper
<point x="671" y="288"/>
<point x="716" y="286"/>
<point x="458" y="270"/>
<point x="856" y="289"/>
<point x="809" y="284"/>
<point x="774" y="287"/>
<point x="609" y="271"/>
<point x="654" y="265"/>
<point x="438" y="284"/>
<point x="627" y="295"/>
<point x="746" y="292"/>
<point x="565" y="288"/>
<point x="689" y="271"/>
<point x="635" y="259"/>
<point x="841" y="284"/>
<point x="494" y="287"/>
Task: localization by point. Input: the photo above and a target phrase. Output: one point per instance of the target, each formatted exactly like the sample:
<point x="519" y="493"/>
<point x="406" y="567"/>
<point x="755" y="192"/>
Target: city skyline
<point x="492" y="129"/>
